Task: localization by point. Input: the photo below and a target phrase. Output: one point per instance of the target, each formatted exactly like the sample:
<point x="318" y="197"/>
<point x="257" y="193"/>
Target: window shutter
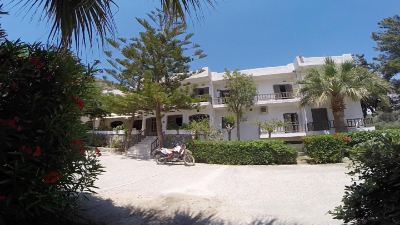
<point x="289" y="88"/>
<point x="277" y="89"/>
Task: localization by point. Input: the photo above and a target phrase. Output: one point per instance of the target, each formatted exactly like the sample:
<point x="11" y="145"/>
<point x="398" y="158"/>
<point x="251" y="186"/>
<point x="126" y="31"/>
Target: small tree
<point x="242" y="91"/>
<point x="198" y="127"/>
<point x="228" y="124"/>
<point x="94" y="105"/>
<point x="270" y="125"/>
<point x="128" y="104"/>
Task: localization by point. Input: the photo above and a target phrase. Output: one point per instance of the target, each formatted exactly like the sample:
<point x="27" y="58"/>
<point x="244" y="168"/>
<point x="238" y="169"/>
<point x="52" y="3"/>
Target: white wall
<point x="248" y="127"/>
<point x="352" y="111"/>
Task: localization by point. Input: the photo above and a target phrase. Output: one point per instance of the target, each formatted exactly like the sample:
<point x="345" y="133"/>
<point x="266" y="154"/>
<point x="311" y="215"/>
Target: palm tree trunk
<point x="93" y="125"/>
<point x="238" y="126"/>
<point x="159" y="123"/>
<point x="338" y="106"/>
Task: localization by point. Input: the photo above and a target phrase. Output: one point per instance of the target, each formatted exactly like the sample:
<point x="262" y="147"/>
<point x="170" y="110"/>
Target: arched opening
<point x="115" y="124"/>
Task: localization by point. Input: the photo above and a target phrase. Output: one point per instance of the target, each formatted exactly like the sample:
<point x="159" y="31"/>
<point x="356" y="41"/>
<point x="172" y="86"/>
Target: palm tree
<point x="79" y="21"/>
<point x="332" y="83"/>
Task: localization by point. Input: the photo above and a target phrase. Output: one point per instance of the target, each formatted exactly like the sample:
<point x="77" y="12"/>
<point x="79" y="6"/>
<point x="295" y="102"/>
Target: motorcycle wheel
<point x="159" y="159"/>
<point x="188" y="160"/>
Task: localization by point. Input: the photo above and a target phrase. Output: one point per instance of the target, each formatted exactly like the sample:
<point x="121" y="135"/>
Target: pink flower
<point x="82" y="151"/>
<point x="26" y="150"/>
<point x="11" y="123"/>
<point x="97" y="151"/>
<point x="79" y="102"/>
<point x="77" y="142"/>
<point x="52" y="177"/>
<point x="35" y="61"/>
<point x="38" y="152"/>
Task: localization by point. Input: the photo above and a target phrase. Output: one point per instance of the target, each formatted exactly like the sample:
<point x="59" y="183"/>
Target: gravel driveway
<point x="141" y="192"/>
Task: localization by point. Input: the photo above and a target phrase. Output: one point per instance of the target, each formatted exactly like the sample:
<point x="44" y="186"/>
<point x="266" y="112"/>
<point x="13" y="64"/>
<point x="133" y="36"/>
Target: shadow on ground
<point x="104" y="212"/>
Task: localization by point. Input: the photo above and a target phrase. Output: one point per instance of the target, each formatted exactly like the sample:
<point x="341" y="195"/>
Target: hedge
<point x="331" y="148"/>
<point x="326" y="148"/>
<point x="243" y="152"/>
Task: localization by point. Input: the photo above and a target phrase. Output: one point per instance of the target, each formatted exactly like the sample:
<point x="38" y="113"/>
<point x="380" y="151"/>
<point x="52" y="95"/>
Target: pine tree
<point x="155" y="63"/>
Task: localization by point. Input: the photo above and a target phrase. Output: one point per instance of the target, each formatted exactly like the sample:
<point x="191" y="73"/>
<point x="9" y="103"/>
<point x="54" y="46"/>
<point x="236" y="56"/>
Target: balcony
<point x="297" y="129"/>
<point x="261" y="99"/>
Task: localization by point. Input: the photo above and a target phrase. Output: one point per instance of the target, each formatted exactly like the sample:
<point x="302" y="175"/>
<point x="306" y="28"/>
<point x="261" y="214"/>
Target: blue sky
<point x="240" y="34"/>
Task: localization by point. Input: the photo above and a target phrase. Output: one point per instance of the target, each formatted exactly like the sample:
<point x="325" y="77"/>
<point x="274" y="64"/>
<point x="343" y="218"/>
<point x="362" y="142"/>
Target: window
<point x="283" y="91"/>
<point x="137" y="124"/>
<point x="198" y="117"/>
<point x="264" y="109"/>
<point x="115" y="124"/>
<point x="201" y="91"/>
<point x="174" y="121"/>
<point x="223" y="93"/>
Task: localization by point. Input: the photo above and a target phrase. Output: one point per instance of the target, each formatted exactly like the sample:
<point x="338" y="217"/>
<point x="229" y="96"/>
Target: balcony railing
<point x="275" y="96"/>
<point x="321" y="126"/>
<point x="260" y="97"/>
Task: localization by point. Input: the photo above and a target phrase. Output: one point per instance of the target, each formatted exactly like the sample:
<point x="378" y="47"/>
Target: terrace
<point x="297" y="129"/>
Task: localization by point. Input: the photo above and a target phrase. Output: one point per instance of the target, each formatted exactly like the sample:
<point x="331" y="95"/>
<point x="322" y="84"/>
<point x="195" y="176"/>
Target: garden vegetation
<point x="44" y="162"/>
<point x="243" y="152"/>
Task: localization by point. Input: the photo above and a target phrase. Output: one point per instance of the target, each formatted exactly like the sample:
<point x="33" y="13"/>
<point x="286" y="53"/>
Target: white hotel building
<point x="277" y="98"/>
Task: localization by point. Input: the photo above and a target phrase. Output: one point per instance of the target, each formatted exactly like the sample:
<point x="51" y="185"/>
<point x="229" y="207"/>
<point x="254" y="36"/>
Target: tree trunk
<point x="128" y="135"/>
<point x="229" y="135"/>
<point x="159" y="124"/>
<point x="338" y="106"/>
<point x="93" y="125"/>
<point x="269" y="134"/>
<point x="238" y="126"/>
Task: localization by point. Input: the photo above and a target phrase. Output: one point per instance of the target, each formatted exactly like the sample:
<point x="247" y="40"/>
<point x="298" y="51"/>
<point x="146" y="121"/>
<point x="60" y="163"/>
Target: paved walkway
<point x="141" y="192"/>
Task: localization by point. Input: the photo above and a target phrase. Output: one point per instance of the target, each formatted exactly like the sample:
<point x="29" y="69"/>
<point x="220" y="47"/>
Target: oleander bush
<point x="44" y="162"/>
<point x="374" y="195"/>
<point x="243" y="152"/>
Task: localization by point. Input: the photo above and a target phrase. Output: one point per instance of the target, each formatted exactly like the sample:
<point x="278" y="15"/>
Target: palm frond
<point x="178" y="8"/>
<point x="75" y="21"/>
<point x="340" y="80"/>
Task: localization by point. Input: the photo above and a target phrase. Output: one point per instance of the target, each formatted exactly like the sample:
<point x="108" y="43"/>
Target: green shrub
<point x="117" y="143"/>
<point x="97" y="140"/>
<point x="243" y="152"/>
<point x="331" y="148"/>
<point x="326" y="148"/>
<point x="44" y="164"/>
<point x="374" y="195"/>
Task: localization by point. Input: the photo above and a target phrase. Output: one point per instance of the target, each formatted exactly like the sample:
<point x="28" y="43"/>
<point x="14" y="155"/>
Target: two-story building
<point x="277" y="98"/>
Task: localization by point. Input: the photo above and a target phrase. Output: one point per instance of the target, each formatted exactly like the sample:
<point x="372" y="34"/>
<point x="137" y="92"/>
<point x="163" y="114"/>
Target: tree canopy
<point x="242" y="91"/>
<point x="155" y="63"/>
<point x="388" y="42"/>
<point x="332" y="83"/>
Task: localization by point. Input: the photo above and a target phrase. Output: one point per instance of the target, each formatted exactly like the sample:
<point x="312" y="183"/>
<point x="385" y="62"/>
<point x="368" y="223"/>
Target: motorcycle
<point x="177" y="154"/>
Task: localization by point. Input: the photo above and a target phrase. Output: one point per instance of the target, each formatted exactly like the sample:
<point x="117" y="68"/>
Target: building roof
<point x="299" y="63"/>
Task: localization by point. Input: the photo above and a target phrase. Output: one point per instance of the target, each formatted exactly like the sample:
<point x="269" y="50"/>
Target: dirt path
<point x="141" y="192"/>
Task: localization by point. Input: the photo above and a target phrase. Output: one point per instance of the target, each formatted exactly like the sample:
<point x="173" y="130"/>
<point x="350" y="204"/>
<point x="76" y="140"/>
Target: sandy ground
<point x="141" y="192"/>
